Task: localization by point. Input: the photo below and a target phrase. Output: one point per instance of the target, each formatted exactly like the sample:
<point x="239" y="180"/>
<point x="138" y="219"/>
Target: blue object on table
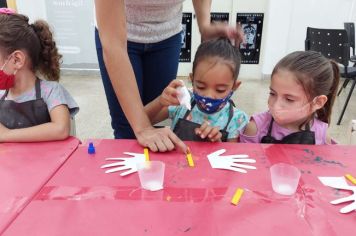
<point x="91" y="148"/>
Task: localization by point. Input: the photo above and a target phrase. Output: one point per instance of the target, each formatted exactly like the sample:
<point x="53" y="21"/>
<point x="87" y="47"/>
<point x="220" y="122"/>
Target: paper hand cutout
<point x="230" y="162"/>
<point x="340" y="183"/>
<point x="123" y="163"/>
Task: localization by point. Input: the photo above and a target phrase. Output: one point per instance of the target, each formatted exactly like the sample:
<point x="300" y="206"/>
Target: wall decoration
<point x="3" y="3"/>
<point x="185" y="52"/>
<point x="219" y="17"/>
<point x="251" y="24"/>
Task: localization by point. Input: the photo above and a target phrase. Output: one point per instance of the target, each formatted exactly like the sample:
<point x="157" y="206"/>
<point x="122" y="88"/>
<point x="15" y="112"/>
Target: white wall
<point x="232" y="7"/>
<point x="284" y="26"/>
<point x="286" y="29"/>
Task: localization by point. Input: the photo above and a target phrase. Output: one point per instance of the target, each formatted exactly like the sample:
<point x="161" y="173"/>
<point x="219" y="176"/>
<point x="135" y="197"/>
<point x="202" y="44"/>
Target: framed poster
<point x="3" y="3"/>
<point x="251" y="24"/>
<point x="186" y="49"/>
<point x="219" y="17"/>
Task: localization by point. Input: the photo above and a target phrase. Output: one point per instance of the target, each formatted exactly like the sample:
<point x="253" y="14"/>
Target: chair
<point x="350" y="29"/>
<point x="333" y="44"/>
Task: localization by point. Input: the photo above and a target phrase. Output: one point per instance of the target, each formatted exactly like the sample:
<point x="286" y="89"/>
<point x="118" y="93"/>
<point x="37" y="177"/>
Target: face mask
<point x="287" y="116"/>
<point x="6" y="81"/>
<point x="210" y="105"/>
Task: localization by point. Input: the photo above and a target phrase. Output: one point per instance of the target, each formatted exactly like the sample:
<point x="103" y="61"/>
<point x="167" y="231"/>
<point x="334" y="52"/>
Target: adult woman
<point x="141" y="39"/>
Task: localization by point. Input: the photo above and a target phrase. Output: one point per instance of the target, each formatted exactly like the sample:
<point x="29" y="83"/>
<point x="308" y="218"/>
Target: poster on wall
<point x="185" y="51"/>
<point x="219" y="17"/>
<point x="74" y="35"/>
<point x="3" y="3"/>
<point x="251" y="24"/>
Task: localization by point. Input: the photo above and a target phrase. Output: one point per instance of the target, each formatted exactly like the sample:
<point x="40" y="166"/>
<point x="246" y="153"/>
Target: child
<point x="31" y="109"/>
<point x="302" y="93"/>
<point x="213" y="116"/>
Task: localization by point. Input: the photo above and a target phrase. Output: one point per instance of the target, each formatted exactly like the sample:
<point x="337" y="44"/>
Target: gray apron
<point x="184" y="128"/>
<point x="14" y="115"/>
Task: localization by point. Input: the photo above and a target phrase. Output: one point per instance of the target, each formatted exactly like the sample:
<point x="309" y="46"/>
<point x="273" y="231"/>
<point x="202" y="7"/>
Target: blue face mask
<point x="211" y="105"/>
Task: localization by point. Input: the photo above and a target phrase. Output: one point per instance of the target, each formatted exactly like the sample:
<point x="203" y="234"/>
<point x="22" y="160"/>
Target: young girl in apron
<point x="31" y="109"/>
<point x="302" y="92"/>
<point x="213" y="116"/>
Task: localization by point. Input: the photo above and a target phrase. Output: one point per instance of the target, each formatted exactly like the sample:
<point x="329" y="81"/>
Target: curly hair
<point x="35" y="39"/>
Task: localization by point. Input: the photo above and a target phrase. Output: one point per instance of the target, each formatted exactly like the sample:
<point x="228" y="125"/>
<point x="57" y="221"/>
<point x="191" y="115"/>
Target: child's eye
<point x="200" y="87"/>
<point x="221" y="91"/>
<point x="271" y="94"/>
<point x="290" y="100"/>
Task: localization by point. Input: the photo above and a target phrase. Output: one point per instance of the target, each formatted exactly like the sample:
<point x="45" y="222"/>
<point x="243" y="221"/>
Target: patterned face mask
<point x="211" y="105"/>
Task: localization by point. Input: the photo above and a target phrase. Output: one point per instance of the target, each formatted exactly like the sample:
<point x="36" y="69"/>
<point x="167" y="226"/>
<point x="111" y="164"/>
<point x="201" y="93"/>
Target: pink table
<point x="80" y="199"/>
<point x="24" y="169"/>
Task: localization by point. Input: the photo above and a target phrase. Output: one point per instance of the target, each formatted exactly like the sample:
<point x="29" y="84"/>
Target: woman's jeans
<point x="155" y="65"/>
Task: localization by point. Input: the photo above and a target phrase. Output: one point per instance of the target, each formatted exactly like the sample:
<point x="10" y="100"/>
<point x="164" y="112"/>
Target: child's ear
<point x="319" y="102"/>
<point x="236" y="85"/>
<point x="19" y="58"/>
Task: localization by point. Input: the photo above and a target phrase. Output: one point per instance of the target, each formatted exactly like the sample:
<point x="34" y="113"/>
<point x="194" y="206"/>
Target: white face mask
<point x="287" y="116"/>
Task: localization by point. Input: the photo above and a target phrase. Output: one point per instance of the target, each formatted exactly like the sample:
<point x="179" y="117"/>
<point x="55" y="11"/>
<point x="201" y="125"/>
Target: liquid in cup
<point x="285" y="178"/>
<point x="151" y="174"/>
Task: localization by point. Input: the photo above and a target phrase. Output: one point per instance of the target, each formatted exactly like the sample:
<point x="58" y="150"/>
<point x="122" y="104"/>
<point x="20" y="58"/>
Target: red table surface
<point x="24" y="169"/>
<point x="80" y="199"/>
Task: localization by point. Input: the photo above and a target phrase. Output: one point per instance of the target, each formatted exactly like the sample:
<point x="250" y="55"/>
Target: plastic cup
<point x="151" y="175"/>
<point x="285" y="178"/>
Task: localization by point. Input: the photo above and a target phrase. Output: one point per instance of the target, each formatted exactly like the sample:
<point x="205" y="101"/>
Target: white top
<point x="151" y="21"/>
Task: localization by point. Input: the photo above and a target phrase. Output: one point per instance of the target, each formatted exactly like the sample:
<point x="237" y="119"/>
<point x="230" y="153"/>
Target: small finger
<point x="206" y="132"/>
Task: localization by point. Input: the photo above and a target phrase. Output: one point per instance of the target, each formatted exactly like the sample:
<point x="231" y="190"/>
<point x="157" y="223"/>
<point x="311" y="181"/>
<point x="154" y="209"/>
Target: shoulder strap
<point x="192" y="104"/>
<point x="231" y="114"/>
<point x="38" y="88"/>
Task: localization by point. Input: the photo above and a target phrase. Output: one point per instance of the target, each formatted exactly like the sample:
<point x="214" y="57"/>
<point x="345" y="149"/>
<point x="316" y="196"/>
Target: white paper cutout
<point x="184" y="97"/>
<point x="230" y="162"/>
<point x="123" y="163"/>
<point x="340" y="183"/>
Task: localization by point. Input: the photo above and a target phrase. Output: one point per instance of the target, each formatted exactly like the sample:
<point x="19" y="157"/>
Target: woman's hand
<point x="222" y="29"/>
<point x="160" y="139"/>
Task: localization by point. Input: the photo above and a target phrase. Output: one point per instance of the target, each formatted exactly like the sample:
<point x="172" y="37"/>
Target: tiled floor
<point x="93" y="120"/>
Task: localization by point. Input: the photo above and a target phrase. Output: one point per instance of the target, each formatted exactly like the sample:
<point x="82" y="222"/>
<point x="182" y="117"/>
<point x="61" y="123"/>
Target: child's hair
<point x="35" y="39"/>
<point x="220" y="48"/>
<point x="316" y="74"/>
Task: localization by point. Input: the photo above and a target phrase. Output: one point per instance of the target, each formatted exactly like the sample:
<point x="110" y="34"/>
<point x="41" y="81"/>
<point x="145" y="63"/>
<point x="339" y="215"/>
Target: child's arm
<point x="251" y="128"/>
<point x="57" y="129"/>
<point x="157" y="110"/>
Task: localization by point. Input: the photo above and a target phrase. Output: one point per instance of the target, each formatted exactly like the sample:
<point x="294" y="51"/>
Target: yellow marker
<point x="351" y="178"/>
<point x="236" y="198"/>
<point x="190" y="158"/>
<point x="145" y="152"/>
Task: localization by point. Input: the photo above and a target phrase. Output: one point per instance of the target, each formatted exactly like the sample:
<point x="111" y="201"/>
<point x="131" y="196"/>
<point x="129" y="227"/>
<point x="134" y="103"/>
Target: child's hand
<point x="170" y="93"/>
<point x="212" y="133"/>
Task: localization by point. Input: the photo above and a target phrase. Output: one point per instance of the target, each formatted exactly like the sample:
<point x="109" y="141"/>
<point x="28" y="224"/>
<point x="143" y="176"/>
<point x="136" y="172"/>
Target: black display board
<point x="251" y="24"/>
<point x="185" y="52"/>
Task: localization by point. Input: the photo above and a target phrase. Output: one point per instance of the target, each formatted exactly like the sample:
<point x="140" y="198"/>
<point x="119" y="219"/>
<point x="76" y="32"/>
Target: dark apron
<point x="301" y="137"/>
<point x="184" y="128"/>
<point x="15" y="115"/>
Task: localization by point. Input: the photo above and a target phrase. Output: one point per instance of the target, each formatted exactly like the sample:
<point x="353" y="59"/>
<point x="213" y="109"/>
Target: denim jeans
<point x="155" y="65"/>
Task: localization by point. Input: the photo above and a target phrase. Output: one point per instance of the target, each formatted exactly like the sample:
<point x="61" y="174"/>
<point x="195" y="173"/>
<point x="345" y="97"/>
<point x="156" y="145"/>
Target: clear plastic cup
<point x="151" y="175"/>
<point x="285" y="178"/>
